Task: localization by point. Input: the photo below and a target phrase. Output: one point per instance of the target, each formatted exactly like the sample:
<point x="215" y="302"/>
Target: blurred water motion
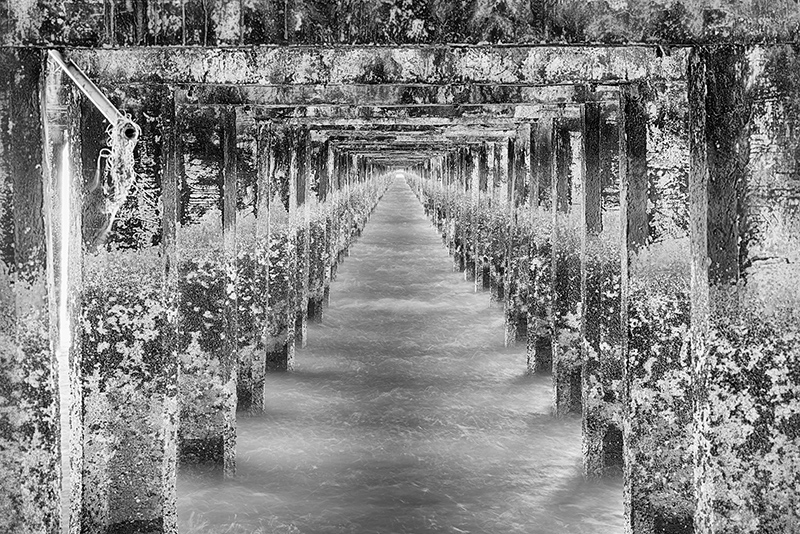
<point x="405" y="414"/>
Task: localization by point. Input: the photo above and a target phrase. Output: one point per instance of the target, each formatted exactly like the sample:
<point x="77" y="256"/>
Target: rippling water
<point x="405" y="414"/>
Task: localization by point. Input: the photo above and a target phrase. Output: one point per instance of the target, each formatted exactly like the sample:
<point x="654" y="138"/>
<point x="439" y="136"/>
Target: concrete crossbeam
<point x="305" y="66"/>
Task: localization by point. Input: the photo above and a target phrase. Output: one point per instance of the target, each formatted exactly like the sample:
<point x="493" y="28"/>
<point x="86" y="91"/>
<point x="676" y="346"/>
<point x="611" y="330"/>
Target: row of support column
<point x="680" y="357"/>
<point x="215" y="263"/>
<point x="651" y="295"/>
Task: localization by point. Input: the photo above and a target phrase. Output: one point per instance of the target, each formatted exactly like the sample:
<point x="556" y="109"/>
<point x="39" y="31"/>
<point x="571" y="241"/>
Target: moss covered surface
<point x="92" y="23"/>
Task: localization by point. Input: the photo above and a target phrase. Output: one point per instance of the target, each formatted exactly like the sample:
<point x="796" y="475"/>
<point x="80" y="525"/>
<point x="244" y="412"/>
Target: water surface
<point x="405" y="414"/>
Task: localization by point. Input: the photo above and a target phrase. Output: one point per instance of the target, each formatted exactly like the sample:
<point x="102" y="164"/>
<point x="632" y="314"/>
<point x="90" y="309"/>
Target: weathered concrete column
<point x="600" y="320"/>
<point x="30" y="471"/>
<point x="539" y="348"/>
<point x="452" y="206"/>
<point x="336" y="209"/>
<point x="351" y="186"/>
<point x="499" y="222"/>
<point x="279" y="335"/>
<point x="252" y="242"/>
<point x="128" y="341"/>
<point x="509" y="256"/>
<point x="483" y="195"/>
<point x="438" y="188"/>
<point x="424" y="190"/>
<point x="171" y="155"/>
<point x="654" y="304"/>
<point x="459" y="187"/>
<point x="744" y="223"/>
<point x="328" y="196"/>
<point x="228" y="361"/>
<point x="349" y="219"/>
<point x="449" y="200"/>
<point x="347" y="213"/>
<point x="476" y="253"/>
<point x="465" y="211"/>
<point x="429" y="190"/>
<point x="444" y="184"/>
<point x="318" y="231"/>
<point x="340" y="172"/>
<point x="517" y="266"/>
<point x="356" y="177"/>
<point x="468" y="217"/>
<point x="250" y="268"/>
<point x="63" y="140"/>
<point x="207" y="250"/>
<point x="299" y="176"/>
<point x="566" y="273"/>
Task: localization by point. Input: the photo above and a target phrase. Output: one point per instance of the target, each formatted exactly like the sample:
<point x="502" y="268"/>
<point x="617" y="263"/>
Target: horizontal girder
<point x="446" y="64"/>
<point x="386" y="94"/>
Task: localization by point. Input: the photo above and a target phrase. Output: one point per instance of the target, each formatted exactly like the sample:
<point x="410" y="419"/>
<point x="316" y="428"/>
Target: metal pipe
<point x="93" y="93"/>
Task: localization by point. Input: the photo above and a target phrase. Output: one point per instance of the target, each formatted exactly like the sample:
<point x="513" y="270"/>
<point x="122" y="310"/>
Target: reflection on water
<point x="405" y="414"/>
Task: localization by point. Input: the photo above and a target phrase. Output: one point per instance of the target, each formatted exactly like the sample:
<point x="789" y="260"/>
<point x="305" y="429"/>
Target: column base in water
<point x="567" y="388"/>
<point x="602" y="446"/>
<point x="301" y="329"/>
<point x="279" y="359"/>
<point x="643" y="520"/>
<point x="202" y="451"/>
<point x="496" y="286"/>
<point x="516" y="325"/>
<point x="469" y="270"/>
<point x="315" y="307"/>
<point x="208" y="441"/>
<point x="486" y="277"/>
<point x="458" y="258"/>
<point x="539" y="353"/>
<point x="144" y="526"/>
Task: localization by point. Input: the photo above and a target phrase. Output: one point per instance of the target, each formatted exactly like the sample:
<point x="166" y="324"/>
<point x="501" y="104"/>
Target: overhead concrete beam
<point x="403" y="124"/>
<point x="269" y="66"/>
<point x="416" y="136"/>
<point x="456" y="112"/>
<point x="386" y="94"/>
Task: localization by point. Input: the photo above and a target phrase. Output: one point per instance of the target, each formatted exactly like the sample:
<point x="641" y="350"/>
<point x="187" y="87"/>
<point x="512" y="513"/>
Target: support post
<point x="499" y="227"/>
<point x="256" y="381"/>
<point x="485" y="189"/>
<point x="744" y="297"/>
<point x="517" y="267"/>
<point x="301" y="178"/>
<point x="318" y="245"/>
<point x="566" y="275"/>
<point x="208" y="304"/>
<point x="279" y="335"/>
<point x="330" y="199"/>
<point x="170" y="294"/>
<point x="476" y="273"/>
<point x="468" y="218"/>
<point x="657" y="403"/>
<point x="30" y="471"/>
<point x="229" y="348"/>
<point x="71" y="266"/>
<point x="250" y="309"/>
<point x="128" y="343"/>
<point x="600" y="326"/>
<point x="458" y="196"/>
<point x="540" y="305"/>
